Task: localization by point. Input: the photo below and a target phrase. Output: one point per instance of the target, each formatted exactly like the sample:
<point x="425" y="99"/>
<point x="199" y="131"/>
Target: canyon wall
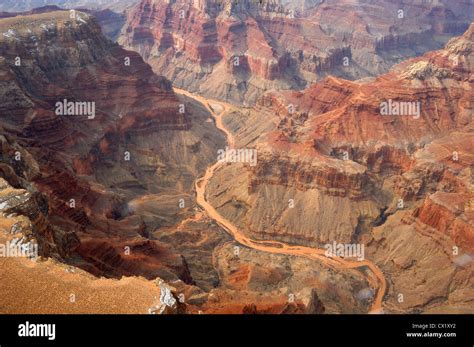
<point x="235" y="51"/>
<point x="102" y="182"/>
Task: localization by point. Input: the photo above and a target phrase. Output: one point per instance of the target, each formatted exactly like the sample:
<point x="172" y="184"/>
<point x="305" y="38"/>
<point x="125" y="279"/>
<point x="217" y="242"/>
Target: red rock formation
<point x="237" y="50"/>
<point x="339" y="112"/>
<point x="329" y="176"/>
<point x="449" y="213"/>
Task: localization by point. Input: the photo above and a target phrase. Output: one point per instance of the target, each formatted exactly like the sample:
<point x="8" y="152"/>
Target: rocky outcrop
<point x="445" y="213"/>
<point x="315" y="305"/>
<point x="331" y="177"/>
<point x="23" y="200"/>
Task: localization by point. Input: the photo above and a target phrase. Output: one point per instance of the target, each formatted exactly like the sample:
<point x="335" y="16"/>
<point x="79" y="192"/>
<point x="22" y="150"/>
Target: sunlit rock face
<point x="237" y="50"/>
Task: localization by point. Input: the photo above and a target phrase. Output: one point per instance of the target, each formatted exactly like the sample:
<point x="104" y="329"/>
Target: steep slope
<point x="112" y="166"/>
<point x="237" y="50"/>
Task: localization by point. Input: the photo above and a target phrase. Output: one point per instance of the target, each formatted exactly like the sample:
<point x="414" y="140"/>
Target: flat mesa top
<point x="34" y="21"/>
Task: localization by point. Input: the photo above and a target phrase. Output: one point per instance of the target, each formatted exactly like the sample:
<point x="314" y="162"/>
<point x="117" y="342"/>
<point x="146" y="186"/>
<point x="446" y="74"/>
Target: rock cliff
<point x="237" y="50"/>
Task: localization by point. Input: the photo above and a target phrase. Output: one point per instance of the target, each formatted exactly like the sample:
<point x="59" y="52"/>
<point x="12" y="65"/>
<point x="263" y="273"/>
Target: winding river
<point x="378" y="284"/>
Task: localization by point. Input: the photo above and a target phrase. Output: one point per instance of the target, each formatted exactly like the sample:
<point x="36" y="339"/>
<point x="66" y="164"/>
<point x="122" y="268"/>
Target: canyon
<point x="110" y="195"/>
<point x="132" y="210"/>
